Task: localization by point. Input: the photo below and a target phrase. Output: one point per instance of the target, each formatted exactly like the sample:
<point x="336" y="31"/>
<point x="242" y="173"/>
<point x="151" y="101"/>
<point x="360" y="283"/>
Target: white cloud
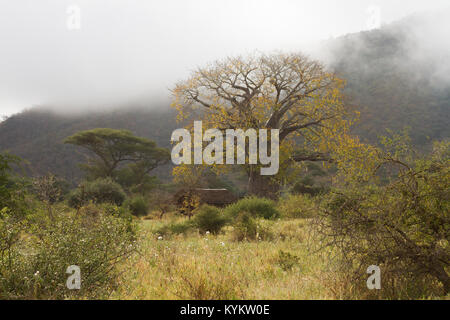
<point x="125" y="49"/>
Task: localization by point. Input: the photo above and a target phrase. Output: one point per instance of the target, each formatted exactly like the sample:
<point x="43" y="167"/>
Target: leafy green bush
<point x="246" y="228"/>
<point x="113" y="210"/>
<point x="208" y="218"/>
<point x="256" y="207"/>
<point x="297" y="206"/>
<point x="300" y="188"/>
<point x="174" y="228"/>
<point x="287" y="260"/>
<point x="5" y="180"/>
<point x="35" y="256"/>
<point x="13" y="190"/>
<point x="137" y="205"/>
<point x="403" y="227"/>
<point x="98" y="191"/>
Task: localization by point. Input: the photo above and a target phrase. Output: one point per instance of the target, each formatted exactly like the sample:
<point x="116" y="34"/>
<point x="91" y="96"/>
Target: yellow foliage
<point x="288" y="92"/>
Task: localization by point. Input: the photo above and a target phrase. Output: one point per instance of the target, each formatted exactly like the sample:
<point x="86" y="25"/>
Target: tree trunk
<point x="262" y="186"/>
<point x="440" y="273"/>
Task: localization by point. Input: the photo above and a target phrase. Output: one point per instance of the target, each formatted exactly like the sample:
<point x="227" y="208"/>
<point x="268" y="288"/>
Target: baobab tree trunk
<point x="440" y="273"/>
<point x="262" y="186"/>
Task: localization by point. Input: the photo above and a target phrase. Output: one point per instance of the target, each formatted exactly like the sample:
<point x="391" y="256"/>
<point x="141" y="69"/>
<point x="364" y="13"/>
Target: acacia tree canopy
<point x="114" y="148"/>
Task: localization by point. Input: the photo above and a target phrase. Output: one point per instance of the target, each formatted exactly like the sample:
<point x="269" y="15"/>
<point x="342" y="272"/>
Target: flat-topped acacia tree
<point x="116" y="148"/>
<point x="289" y="92"/>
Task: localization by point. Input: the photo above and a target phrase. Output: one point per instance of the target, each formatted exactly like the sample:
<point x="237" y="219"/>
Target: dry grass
<point x="215" y="267"/>
<point x="206" y="266"/>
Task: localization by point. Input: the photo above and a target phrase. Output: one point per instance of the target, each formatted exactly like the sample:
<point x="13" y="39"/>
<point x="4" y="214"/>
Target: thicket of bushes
<point x="12" y="188"/>
<point x="403" y="227"/>
<point x="208" y="218"/>
<point x="36" y="251"/>
<point x="103" y="190"/>
<point x="256" y="207"/>
<point x="242" y="216"/>
<point x="298" y="206"/>
<point x="246" y="227"/>
<point x="137" y="205"/>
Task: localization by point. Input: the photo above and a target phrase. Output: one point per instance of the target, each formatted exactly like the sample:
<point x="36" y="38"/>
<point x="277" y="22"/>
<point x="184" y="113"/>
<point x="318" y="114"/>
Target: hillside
<point x="392" y="77"/>
<point x="398" y="76"/>
<point x="37" y="135"/>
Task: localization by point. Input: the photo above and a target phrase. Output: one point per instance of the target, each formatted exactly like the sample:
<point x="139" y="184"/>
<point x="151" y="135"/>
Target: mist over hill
<point x="397" y="75"/>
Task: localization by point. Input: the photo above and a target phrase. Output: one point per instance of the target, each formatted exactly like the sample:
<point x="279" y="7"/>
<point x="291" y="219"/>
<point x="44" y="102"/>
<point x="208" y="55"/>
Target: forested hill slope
<point x="37" y="135"/>
<point x="398" y="76"/>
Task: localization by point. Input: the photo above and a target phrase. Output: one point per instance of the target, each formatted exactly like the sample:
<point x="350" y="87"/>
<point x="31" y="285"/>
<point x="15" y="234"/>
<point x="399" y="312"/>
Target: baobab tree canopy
<point x="288" y="92"/>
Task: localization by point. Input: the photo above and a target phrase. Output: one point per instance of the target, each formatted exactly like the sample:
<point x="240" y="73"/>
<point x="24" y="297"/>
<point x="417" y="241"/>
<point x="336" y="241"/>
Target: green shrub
<point x="33" y="266"/>
<point x="5" y="178"/>
<point x="175" y="228"/>
<point x="208" y="218"/>
<point x="75" y="200"/>
<point x="297" y="206"/>
<point x="113" y="210"/>
<point x="246" y="228"/>
<point x="180" y="228"/>
<point x="287" y="261"/>
<point x="256" y="207"/>
<point x="13" y="189"/>
<point x="137" y="205"/>
<point x="403" y="226"/>
<point x="300" y="188"/>
<point x="309" y="184"/>
<point x="98" y="191"/>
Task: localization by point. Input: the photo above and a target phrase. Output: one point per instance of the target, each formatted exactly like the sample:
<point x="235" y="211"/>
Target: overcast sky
<point x="74" y="54"/>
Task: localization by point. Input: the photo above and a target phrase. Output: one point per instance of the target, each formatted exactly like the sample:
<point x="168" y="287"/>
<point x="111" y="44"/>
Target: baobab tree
<point x="288" y="92"/>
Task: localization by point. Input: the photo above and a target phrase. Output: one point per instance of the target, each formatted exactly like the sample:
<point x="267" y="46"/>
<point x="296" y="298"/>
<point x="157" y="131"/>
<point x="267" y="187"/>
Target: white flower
<point x="223" y="244"/>
<point x="207" y="232"/>
<point x="36" y="273"/>
<point x="160" y="238"/>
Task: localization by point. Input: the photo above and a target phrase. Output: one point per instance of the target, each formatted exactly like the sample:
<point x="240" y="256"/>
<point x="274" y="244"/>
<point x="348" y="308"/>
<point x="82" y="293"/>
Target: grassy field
<point x="206" y="266"/>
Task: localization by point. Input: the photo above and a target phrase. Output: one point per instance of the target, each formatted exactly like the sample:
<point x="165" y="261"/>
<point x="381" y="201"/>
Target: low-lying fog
<point x="91" y="54"/>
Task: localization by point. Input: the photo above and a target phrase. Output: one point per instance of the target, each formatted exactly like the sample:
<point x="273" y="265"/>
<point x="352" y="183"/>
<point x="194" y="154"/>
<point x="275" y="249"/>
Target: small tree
<point x="163" y="201"/>
<point x="48" y="190"/>
<point x="116" y="148"/>
<point x="188" y="202"/>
